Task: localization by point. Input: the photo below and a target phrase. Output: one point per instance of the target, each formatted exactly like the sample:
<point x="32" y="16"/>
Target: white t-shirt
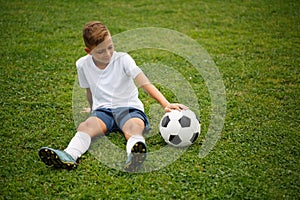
<point x="113" y="86"/>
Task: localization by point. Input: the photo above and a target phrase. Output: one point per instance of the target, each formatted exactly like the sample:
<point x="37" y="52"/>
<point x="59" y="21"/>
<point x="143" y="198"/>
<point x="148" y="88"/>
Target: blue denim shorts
<point x="115" y="118"/>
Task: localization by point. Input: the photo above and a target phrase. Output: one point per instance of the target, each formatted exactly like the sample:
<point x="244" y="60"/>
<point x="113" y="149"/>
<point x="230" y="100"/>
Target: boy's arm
<point x="144" y="83"/>
<point x="89" y="97"/>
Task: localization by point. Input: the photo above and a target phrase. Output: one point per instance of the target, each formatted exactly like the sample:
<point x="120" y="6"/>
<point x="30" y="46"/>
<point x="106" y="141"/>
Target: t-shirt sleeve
<point x="81" y="76"/>
<point x="130" y="67"/>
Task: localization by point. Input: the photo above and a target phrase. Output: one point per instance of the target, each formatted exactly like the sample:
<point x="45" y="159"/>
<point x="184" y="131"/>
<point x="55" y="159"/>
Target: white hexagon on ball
<point x="179" y="128"/>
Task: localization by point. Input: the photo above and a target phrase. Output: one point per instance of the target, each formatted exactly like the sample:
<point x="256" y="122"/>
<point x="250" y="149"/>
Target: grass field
<point x="256" y="47"/>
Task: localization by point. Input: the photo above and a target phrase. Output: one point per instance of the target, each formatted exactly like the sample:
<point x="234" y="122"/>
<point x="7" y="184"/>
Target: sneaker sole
<point x="139" y="154"/>
<point x="50" y="158"/>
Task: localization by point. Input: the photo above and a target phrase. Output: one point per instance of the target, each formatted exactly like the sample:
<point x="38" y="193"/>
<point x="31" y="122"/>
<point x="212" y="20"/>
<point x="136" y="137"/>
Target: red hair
<point x="94" y="33"/>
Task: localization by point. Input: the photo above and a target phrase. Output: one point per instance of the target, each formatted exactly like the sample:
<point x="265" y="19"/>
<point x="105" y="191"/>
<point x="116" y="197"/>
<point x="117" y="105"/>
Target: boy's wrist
<point x="165" y="105"/>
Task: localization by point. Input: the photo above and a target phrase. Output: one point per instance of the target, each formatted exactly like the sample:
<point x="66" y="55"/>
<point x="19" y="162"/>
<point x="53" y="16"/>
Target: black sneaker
<point x="136" y="157"/>
<point x="57" y="158"/>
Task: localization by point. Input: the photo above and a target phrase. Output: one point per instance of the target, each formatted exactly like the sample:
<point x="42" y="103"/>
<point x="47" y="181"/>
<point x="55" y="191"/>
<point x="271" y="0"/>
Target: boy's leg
<point x="79" y="144"/>
<point x="133" y="126"/>
<point x="136" y="147"/>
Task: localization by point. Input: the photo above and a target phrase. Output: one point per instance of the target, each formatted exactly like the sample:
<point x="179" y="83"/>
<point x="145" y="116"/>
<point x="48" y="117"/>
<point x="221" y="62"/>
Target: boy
<point x="108" y="78"/>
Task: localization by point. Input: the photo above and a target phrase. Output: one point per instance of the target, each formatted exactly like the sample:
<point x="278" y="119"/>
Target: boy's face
<point x="103" y="52"/>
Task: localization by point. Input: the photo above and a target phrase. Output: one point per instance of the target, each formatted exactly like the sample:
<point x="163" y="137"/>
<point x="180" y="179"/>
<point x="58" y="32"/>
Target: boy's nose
<point x="107" y="53"/>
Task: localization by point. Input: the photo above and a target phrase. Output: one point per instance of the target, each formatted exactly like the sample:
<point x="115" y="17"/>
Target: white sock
<point x="131" y="142"/>
<point x="79" y="144"/>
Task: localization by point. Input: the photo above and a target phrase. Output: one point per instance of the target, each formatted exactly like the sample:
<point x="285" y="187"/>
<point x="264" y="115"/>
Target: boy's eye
<point x="102" y="51"/>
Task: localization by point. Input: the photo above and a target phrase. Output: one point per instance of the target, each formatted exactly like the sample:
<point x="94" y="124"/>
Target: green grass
<point x="255" y="45"/>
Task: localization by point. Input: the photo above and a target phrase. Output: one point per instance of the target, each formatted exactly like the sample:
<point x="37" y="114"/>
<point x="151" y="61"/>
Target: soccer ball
<point x="179" y="128"/>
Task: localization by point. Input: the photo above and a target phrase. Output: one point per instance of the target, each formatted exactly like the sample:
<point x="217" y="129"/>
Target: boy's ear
<point x="87" y="50"/>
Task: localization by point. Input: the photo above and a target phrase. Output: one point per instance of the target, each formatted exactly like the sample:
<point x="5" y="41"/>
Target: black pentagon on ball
<point x="165" y="121"/>
<point x="184" y="121"/>
<point x="175" y="139"/>
<point x="194" y="138"/>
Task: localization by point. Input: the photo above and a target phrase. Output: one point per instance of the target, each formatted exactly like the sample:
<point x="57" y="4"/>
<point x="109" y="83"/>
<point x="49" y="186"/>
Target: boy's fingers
<point x="183" y="107"/>
<point x="86" y="110"/>
<point x="175" y="106"/>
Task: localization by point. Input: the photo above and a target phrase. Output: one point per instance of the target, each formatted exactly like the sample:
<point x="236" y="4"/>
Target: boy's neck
<point x="100" y="65"/>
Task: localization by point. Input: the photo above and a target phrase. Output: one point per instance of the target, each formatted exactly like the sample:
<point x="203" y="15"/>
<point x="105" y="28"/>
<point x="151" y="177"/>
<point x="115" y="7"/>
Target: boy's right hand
<point x="86" y="110"/>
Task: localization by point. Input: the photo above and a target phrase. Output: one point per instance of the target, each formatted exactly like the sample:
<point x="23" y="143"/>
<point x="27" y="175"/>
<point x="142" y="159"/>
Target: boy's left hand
<point x="175" y="106"/>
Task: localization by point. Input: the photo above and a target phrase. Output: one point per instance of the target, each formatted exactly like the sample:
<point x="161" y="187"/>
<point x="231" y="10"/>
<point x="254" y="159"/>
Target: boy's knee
<point x="92" y="126"/>
<point x="134" y="125"/>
